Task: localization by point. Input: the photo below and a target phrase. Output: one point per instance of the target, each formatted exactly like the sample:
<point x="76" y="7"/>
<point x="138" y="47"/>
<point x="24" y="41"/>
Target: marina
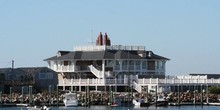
<point x="106" y="55"/>
<point x="106" y="75"/>
<point x="126" y="108"/>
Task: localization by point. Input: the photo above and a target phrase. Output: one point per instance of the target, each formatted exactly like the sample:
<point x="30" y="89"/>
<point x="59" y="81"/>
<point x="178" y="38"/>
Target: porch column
<point x="120" y="63"/>
<point x="96" y="88"/>
<point x="141" y="63"/>
<point x="80" y="88"/>
<point x="73" y="65"/>
<point x="103" y="68"/>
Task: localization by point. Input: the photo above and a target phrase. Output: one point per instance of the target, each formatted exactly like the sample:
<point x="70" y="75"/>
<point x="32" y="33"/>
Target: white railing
<point x="64" y="69"/>
<point x="178" y="81"/>
<point x="95" y="71"/>
<point x="137" y="87"/>
<point x="138" y="83"/>
<point x="103" y="47"/>
<point x="108" y="74"/>
<point x="70" y="82"/>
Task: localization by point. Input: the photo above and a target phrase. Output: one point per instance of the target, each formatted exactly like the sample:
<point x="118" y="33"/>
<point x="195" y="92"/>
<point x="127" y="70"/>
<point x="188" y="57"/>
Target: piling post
<point x="178" y="94"/>
<point x="110" y="92"/>
<point x="201" y="95"/>
<point x="131" y="92"/>
<point x="30" y="95"/>
<point x="156" y="97"/>
<point x="49" y="95"/>
<point x="203" y="91"/>
<point x="22" y="94"/>
<point x="58" y="96"/>
<point x="10" y="94"/>
<point x="88" y="96"/>
<point x="194" y="95"/>
<point x="101" y="98"/>
<point x="1" y="98"/>
<point x="147" y="93"/>
<point x="71" y="88"/>
<point x="207" y="96"/>
<point x="75" y="92"/>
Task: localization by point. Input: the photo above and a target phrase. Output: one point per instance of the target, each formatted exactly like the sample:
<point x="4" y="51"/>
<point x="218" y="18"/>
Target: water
<point x="125" y="108"/>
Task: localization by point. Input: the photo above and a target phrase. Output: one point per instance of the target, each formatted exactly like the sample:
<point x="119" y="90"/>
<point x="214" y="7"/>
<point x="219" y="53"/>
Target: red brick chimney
<point x="103" y="41"/>
<point x="99" y="39"/>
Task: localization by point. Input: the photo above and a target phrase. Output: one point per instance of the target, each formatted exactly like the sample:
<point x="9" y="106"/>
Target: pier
<point x="163" y="85"/>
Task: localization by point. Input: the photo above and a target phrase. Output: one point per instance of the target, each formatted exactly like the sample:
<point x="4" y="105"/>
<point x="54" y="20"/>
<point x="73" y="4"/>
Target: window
<point x="2" y="76"/>
<point x="163" y="64"/>
<point x="46" y="76"/>
<point x="65" y="63"/>
<point x="42" y="76"/>
<point x="144" y="65"/>
<point x="49" y="75"/>
<point x="109" y="63"/>
<point x="157" y="64"/>
<point x="9" y="77"/>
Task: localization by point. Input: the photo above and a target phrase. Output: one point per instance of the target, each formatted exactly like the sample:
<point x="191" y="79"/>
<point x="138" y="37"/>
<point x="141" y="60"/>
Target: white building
<point x="105" y="65"/>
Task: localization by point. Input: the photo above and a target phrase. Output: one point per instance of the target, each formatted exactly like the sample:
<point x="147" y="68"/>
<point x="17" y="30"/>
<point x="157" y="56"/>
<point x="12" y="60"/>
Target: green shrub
<point x="214" y="90"/>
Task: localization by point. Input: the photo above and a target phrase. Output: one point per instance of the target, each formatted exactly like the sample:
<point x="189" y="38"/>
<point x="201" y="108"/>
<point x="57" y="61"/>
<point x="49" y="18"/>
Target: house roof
<point x="30" y="70"/>
<point x="107" y="54"/>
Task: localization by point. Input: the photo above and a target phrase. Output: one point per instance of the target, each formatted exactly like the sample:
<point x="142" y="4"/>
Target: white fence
<point x="141" y="82"/>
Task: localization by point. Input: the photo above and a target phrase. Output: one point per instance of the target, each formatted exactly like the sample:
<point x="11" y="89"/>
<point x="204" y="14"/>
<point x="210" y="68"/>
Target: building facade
<point x="40" y="78"/>
<point x="105" y="65"/>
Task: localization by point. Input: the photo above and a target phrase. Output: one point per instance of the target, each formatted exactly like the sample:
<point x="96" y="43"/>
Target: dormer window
<point x="58" y="54"/>
<point x="142" y="54"/>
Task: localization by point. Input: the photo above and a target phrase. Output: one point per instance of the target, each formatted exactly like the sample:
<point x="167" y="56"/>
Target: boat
<point x="38" y="108"/>
<point x="121" y="102"/>
<point x="140" y="103"/>
<point x="116" y="102"/>
<point x="70" y="100"/>
<point x="161" y="101"/>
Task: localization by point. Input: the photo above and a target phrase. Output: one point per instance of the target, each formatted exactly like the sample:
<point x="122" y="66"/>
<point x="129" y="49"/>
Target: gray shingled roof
<point x="25" y="70"/>
<point x="120" y="54"/>
<point x="108" y="54"/>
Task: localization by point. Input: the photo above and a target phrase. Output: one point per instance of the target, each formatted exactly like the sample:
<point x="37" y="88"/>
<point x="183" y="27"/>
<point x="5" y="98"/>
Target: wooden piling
<point x="178" y="94"/>
<point x="58" y="96"/>
<point x="156" y="97"/>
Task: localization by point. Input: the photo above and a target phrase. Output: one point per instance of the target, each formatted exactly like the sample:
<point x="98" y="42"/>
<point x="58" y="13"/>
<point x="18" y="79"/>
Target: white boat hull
<point x="70" y="103"/>
<point x="136" y="103"/>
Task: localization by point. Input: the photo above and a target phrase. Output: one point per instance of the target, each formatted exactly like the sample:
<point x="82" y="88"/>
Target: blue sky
<point x="186" y="31"/>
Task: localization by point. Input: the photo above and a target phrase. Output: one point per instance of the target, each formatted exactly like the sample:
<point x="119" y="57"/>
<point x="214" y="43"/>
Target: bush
<point x="214" y="90"/>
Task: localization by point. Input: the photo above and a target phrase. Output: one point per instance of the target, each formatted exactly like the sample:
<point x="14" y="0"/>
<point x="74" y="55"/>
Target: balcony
<point x="64" y="69"/>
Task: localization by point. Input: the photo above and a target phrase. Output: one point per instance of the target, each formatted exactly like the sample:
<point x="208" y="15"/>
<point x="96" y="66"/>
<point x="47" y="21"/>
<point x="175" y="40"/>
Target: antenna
<point x="92" y="34"/>
<point x="12" y="64"/>
<point x="92" y="42"/>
